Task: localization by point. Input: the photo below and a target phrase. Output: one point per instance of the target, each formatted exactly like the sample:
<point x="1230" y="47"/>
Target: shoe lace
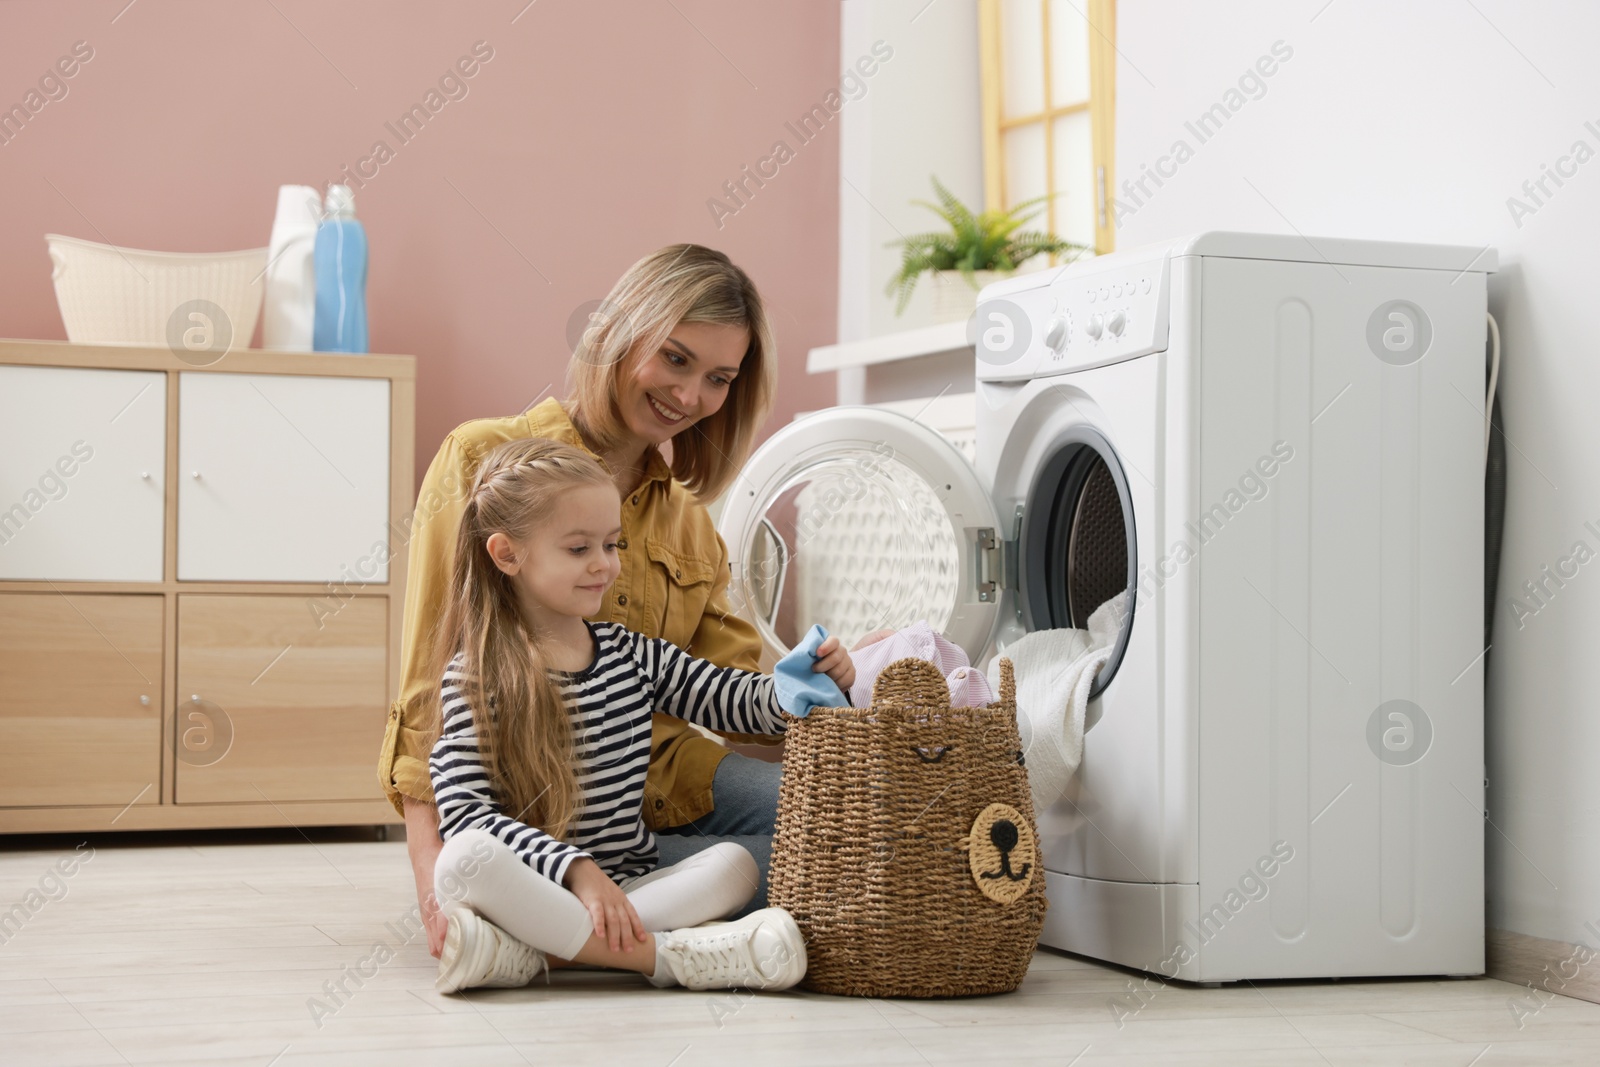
<point x="513" y="957"/>
<point x="723" y="956"/>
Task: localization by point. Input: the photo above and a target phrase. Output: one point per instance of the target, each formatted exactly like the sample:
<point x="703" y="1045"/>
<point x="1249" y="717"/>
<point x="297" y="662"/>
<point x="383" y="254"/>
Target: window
<point x="1048" y="75"/>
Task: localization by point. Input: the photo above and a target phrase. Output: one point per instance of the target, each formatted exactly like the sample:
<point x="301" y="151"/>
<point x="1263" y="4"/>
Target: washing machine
<point x="1274" y="446"/>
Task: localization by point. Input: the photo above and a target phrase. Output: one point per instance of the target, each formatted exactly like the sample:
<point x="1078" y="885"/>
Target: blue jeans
<point x="744" y="794"/>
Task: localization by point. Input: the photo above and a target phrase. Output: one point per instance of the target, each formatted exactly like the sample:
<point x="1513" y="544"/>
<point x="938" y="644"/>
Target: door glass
<point x="855" y="543"/>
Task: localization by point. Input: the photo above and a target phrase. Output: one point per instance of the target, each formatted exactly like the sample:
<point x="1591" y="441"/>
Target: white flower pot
<point x="955" y="298"/>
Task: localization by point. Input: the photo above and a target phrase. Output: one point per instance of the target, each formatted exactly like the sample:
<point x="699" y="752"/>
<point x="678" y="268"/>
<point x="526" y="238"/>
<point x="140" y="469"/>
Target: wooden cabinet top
<point x="238" y="361"/>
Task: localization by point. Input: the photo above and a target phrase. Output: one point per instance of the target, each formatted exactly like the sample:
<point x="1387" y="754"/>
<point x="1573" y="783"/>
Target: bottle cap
<point x="341" y="202"/>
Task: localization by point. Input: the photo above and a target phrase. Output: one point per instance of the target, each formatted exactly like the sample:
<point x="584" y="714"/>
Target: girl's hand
<point x="835" y="662"/>
<point x="615" y="921"/>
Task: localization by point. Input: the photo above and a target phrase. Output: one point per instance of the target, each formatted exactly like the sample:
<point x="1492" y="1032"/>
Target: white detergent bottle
<point x="341" y="267"/>
<point x="291" y="293"/>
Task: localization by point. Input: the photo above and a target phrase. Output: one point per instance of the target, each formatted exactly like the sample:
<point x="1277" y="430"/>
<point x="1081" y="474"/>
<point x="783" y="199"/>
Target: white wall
<point x="1417" y="121"/>
<point x="918" y="117"/>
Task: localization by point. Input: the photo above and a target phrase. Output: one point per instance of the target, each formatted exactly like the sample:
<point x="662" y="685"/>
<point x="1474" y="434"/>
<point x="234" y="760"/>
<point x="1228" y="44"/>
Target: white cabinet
<point x="82" y="469"/>
<point x="282" y="478"/>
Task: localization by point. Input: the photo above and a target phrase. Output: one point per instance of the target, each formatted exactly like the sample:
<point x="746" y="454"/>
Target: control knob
<point x="1055" y="334"/>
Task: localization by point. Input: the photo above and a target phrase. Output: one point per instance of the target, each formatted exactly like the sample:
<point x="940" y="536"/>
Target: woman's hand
<point x="424" y="845"/>
<point x="834" y="661"/>
<point x="867" y="639"/>
<point x="615" y="921"/>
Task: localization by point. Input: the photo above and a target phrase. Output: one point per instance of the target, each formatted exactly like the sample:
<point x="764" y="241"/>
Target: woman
<point x="681" y="353"/>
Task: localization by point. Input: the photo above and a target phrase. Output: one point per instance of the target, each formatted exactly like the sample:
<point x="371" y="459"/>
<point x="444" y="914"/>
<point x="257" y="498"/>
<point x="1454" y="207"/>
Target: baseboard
<point x="1569" y="970"/>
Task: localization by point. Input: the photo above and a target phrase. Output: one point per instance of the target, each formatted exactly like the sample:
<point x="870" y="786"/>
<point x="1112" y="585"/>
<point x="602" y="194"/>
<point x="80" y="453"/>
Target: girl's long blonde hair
<point x="524" y="732"/>
<point x="679" y="283"/>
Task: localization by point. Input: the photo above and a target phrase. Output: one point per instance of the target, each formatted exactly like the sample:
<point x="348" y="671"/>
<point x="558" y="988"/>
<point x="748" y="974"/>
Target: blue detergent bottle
<point x="341" y="275"/>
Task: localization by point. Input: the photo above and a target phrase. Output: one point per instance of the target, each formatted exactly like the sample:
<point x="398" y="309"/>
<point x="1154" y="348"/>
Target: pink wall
<point x="596" y="133"/>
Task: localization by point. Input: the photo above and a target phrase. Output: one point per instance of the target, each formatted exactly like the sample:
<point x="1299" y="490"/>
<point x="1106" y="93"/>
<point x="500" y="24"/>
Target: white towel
<point x="1054" y="671"/>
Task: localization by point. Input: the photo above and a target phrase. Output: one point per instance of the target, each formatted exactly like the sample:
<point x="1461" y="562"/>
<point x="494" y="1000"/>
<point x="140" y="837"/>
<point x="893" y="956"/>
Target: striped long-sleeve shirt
<point x="609" y="703"/>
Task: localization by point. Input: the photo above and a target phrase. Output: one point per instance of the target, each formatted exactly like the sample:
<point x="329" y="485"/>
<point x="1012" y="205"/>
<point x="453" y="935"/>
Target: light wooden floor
<point x="212" y="949"/>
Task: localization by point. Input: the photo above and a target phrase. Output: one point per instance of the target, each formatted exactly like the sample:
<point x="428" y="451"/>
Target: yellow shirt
<point x="673" y="585"/>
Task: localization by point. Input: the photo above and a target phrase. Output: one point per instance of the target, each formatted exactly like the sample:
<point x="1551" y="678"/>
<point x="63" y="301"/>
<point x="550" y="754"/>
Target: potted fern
<point x="978" y="248"/>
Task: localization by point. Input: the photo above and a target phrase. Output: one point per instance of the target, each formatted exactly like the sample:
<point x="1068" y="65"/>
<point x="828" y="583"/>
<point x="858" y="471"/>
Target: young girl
<point x="543" y="740"/>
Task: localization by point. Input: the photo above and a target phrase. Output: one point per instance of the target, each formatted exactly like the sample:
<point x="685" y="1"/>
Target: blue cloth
<point x="799" y="687"/>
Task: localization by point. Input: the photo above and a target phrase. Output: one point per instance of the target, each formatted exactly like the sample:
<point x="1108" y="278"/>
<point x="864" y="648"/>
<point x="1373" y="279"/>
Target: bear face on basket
<point x="906" y="847"/>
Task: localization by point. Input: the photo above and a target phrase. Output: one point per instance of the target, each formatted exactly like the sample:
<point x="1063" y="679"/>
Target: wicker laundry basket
<point x="906" y="848"/>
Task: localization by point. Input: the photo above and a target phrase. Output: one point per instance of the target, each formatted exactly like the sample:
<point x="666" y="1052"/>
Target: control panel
<point x="1077" y="316"/>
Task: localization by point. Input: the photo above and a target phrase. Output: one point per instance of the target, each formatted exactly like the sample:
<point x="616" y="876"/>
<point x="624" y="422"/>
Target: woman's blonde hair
<point x="679" y="283"/>
<point x="524" y="733"/>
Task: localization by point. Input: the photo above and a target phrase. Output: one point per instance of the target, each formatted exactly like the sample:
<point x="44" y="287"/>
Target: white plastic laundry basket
<point x="112" y="295"/>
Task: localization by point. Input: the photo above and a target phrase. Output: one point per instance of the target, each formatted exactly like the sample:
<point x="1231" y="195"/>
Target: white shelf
<point x="937" y="340"/>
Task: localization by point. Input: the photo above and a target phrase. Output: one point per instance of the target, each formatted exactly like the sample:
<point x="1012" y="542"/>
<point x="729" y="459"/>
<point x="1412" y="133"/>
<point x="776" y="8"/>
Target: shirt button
<point x="622" y="599"/>
<point x="636" y="498"/>
<point x="677" y="573"/>
<point x="622" y="542"/>
<point x="660" y="804"/>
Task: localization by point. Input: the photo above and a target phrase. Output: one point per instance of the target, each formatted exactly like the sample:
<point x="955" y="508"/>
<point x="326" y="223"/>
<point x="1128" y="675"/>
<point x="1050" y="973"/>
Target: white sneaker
<point x="479" y="953"/>
<point x="763" y="950"/>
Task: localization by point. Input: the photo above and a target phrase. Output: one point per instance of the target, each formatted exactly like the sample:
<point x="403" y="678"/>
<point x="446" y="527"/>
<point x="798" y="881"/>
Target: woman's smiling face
<point x="687" y="379"/>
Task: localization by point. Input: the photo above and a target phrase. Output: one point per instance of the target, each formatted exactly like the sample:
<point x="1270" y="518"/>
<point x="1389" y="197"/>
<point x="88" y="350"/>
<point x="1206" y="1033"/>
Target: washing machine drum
<point x="1078" y="548"/>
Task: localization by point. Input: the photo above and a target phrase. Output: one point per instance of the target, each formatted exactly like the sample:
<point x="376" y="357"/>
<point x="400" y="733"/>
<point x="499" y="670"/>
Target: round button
<point x="622" y="542"/>
<point x="1144" y="285"/>
<point x="1116" y="323"/>
<point x="1105" y="293"/>
<point x="1091" y="296"/>
<point x="622" y="599"/>
<point x="1055" y="335"/>
<point x="1116" y="290"/>
<point x="1094" y="326"/>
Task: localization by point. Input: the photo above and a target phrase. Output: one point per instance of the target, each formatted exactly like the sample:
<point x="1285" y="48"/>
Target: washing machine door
<point x="862" y="519"/>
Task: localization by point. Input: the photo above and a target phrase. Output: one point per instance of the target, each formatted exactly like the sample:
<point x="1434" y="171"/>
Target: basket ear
<point x="911" y="682"/>
<point x="1008" y="682"/>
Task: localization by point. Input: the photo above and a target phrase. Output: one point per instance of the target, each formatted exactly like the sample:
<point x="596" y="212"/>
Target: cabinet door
<point x="278" y="702"/>
<point x="80" y="710"/>
<point x="82" y="469"/>
<point x="282" y="478"/>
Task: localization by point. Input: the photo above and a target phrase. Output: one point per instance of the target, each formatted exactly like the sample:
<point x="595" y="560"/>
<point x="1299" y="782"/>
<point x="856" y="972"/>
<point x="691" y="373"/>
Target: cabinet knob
<point x="145" y="475"/>
<point x="195" y="475"/>
<point x="144" y="698"/>
<point x="195" y="698"/>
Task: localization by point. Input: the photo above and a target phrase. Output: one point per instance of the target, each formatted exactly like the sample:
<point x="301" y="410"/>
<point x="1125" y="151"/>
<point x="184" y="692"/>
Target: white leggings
<point x="476" y="869"/>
